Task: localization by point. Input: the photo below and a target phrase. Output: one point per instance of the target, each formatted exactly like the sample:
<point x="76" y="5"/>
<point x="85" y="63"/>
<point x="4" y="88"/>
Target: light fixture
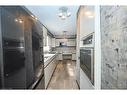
<point x="64" y="13"/>
<point x="19" y="18"/>
<point x="16" y="20"/>
<point x="36" y="18"/>
<point x="64" y="34"/>
<point x="32" y="16"/>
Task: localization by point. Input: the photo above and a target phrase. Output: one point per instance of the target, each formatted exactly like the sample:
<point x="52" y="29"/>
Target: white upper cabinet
<point x="53" y="42"/>
<point x="68" y="42"/>
<point x="87" y="21"/>
<point x="45" y="36"/>
<point x="49" y="41"/>
<point x="71" y="42"/>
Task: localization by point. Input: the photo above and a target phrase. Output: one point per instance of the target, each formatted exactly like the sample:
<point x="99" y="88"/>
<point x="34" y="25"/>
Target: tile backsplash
<point x="114" y="47"/>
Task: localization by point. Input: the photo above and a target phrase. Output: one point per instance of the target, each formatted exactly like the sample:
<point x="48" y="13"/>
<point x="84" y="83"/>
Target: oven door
<point x="86" y="62"/>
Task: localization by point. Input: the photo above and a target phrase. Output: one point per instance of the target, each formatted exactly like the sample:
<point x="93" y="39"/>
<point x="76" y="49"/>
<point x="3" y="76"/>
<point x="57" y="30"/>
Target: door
<point x="13" y="49"/>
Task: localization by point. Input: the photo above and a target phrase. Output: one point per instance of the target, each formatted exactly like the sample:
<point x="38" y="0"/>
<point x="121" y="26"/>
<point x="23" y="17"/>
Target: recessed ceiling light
<point x="36" y="18"/>
<point x="88" y="13"/>
<point x="90" y="16"/>
<point x="32" y="16"/>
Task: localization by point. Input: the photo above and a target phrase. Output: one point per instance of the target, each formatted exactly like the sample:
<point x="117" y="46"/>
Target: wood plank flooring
<point x="64" y="76"/>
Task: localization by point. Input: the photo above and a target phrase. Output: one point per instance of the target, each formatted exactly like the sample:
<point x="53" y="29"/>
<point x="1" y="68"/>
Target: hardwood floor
<point x="64" y="76"/>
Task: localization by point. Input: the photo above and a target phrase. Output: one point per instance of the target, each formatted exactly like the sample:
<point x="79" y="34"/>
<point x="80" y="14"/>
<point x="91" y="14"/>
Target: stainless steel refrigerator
<point x="17" y="60"/>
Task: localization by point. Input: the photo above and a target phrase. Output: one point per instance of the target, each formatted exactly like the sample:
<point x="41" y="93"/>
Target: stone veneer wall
<point x="114" y="47"/>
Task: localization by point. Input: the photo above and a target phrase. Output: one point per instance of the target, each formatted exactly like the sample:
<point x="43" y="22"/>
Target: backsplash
<point x="114" y="47"/>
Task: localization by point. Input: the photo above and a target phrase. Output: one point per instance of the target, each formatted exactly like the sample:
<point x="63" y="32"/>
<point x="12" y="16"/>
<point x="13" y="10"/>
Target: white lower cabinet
<point x="60" y="56"/>
<point x="73" y="56"/>
<point x="49" y="71"/>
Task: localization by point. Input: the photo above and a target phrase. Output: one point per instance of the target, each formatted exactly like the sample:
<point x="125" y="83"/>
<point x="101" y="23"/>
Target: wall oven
<point x="87" y="58"/>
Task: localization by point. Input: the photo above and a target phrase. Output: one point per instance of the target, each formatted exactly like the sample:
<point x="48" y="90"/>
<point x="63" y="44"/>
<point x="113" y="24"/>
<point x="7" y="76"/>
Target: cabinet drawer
<point x="49" y="71"/>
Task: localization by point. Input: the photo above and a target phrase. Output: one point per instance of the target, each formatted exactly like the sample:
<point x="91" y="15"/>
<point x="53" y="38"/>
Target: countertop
<point x="48" y="58"/>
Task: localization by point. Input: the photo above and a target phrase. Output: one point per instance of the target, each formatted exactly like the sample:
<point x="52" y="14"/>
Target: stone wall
<point x="114" y="47"/>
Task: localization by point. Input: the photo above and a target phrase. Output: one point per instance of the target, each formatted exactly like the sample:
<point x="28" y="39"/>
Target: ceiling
<point x="48" y="16"/>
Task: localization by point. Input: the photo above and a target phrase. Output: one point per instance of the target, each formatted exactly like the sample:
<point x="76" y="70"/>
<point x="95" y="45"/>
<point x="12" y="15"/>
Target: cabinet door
<point x="60" y="56"/>
<point x="12" y="33"/>
<point x="48" y="73"/>
<point x="57" y="42"/>
<point x="73" y="56"/>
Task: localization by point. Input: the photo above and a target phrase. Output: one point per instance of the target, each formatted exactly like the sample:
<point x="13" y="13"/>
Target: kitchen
<point x="62" y="47"/>
<point x="66" y="46"/>
<point x="39" y="52"/>
<point x="59" y="47"/>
